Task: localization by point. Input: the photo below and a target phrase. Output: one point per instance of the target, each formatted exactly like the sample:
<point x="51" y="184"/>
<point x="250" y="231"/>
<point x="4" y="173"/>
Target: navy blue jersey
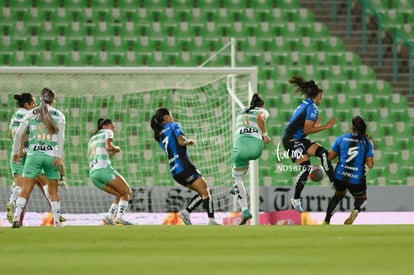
<point x="177" y="155"/>
<point x="352" y="151"/>
<point x="307" y="110"/>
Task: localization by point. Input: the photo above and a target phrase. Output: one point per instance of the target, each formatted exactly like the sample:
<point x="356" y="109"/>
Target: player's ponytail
<point x="47" y="96"/>
<point x="157" y="121"/>
<point x="307" y="88"/>
<point x="256" y="101"/>
<point x="99" y="125"/>
<point x="360" y="128"/>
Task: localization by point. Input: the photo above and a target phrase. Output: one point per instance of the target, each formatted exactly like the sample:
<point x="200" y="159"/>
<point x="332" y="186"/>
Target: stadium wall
<point x="172" y="199"/>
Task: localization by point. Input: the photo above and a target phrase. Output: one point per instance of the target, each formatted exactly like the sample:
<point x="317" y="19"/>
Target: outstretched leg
<point x="322" y="153"/>
<point x="332" y="206"/>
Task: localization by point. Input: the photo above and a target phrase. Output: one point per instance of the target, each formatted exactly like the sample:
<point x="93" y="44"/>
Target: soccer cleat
<point x="121" y="221"/>
<point x="213" y="222"/>
<point x="296" y="204"/>
<point x="185" y="217"/>
<point x="62" y="219"/>
<point x="16" y="224"/>
<point x="57" y="224"/>
<point x="325" y="223"/>
<point x="10" y="211"/>
<point x="352" y="217"/>
<point x="245" y="216"/>
<point x="108" y="221"/>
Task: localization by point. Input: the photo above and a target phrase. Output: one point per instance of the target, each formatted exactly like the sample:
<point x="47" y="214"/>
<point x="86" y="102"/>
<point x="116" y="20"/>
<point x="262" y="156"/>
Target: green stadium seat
<point x="278" y="17"/>
<point x="287" y="4"/>
<point x="352" y="59"/>
<point x="392" y="19"/>
<point x="383" y="87"/>
<point x="304" y="17"/>
<point x="399" y="101"/>
<point x="291" y="33"/>
<point x="403" y="5"/>
<point x="319" y="32"/>
<point x="366" y="73"/>
<point x="307" y="47"/>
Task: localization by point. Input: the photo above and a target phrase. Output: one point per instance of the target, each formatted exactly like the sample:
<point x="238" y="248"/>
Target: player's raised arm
<point x="170" y="136"/>
<point x="305" y="120"/>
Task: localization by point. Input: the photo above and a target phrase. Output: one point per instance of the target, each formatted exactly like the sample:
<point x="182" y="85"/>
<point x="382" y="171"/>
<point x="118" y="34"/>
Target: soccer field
<point x="334" y="249"/>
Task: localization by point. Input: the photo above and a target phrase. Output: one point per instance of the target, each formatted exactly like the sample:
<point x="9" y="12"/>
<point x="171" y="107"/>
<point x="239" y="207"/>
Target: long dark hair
<point x="47" y="96"/>
<point x="307" y="88"/>
<point x="99" y="125"/>
<point x="360" y="127"/>
<point x="157" y="120"/>
<point x="23" y="98"/>
<point x="256" y="101"/>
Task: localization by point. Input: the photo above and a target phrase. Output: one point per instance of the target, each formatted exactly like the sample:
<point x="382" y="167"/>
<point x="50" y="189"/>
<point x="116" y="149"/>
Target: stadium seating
<point x="279" y="37"/>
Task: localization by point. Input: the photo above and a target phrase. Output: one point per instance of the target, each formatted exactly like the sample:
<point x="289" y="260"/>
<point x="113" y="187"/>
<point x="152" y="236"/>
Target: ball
<point x="316" y="173"/>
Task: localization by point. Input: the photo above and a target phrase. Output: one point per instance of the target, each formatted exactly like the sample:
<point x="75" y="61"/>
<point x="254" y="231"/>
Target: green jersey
<point x="41" y="142"/>
<point x="97" y="153"/>
<point x="15" y="123"/>
<point x="246" y="123"/>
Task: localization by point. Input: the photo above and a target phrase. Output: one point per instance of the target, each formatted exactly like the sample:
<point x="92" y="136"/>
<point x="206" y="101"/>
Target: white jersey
<point x="15" y="122"/>
<point x="97" y="153"/>
<point x="40" y="141"/>
<point x="246" y="123"/>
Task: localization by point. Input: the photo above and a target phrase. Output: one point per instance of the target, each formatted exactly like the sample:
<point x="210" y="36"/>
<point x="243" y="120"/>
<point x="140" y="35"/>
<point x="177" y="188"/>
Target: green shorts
<point x="102" y="177"/>
<point x="17" y="169"/>
<point x="246" y="148"/>
<point x="41" y="164"/>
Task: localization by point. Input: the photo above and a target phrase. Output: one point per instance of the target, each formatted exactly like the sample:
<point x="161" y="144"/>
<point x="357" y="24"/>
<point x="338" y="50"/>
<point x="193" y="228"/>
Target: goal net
<point x="203" y="100"/>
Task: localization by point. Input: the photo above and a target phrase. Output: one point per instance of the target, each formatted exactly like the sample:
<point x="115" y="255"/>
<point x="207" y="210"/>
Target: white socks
<point x="14" y="194"/>
<point x="113" y="210"/>
<point x="238" y="182"/>
<point x="123" y="206"/>
<point x="46" y="190"/>
<point x="20" y="204"/>
<point x="56" y="211"/>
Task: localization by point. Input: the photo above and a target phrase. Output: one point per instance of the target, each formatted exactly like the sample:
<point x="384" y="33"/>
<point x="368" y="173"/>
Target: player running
<point x="104" y="176"/>
<point x="354" y="150"/>
<point x="248" y="145"/>
<point x="173" y="142"/>
<point x="45" y="126"/>
<point x="305" y="121"/>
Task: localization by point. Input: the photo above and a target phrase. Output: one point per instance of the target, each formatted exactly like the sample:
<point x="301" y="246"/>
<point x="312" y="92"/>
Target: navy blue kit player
<point x="305" y="121"/>
<point x="173" y="142"/>
<point x="354" y="150"/>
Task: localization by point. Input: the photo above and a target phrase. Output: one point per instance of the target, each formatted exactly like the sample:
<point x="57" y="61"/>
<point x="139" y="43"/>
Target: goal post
<point x="201" y="98"/>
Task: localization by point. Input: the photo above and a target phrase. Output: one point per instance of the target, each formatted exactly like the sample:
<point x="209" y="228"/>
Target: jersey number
<point x="165" y="142"/>
<point x="352" y="153"/>
<point x="42" y="134"/>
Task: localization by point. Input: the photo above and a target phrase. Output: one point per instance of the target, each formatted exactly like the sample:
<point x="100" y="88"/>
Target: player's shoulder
<point x="108" y="131"/>
<point x="340" y="138"/>
<point x="263" y="111"/>
<point x="173" y="124"/>
<point x="56" y="111"/>
<point x="21" y="111"/>
<point x="32" y="113"/>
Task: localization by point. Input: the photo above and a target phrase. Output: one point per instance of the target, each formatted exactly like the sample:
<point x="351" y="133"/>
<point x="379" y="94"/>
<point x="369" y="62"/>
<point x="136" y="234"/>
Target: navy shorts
<point x="296" y="148"/>
<point x="354" y="189"/>
<point x="188" y="176"/>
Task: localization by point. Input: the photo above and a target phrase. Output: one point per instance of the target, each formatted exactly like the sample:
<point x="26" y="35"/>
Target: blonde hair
<point x="46" y="97"/>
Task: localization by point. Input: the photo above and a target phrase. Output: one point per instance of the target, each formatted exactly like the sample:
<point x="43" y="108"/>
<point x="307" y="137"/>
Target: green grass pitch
<point x="319" y="249"/>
